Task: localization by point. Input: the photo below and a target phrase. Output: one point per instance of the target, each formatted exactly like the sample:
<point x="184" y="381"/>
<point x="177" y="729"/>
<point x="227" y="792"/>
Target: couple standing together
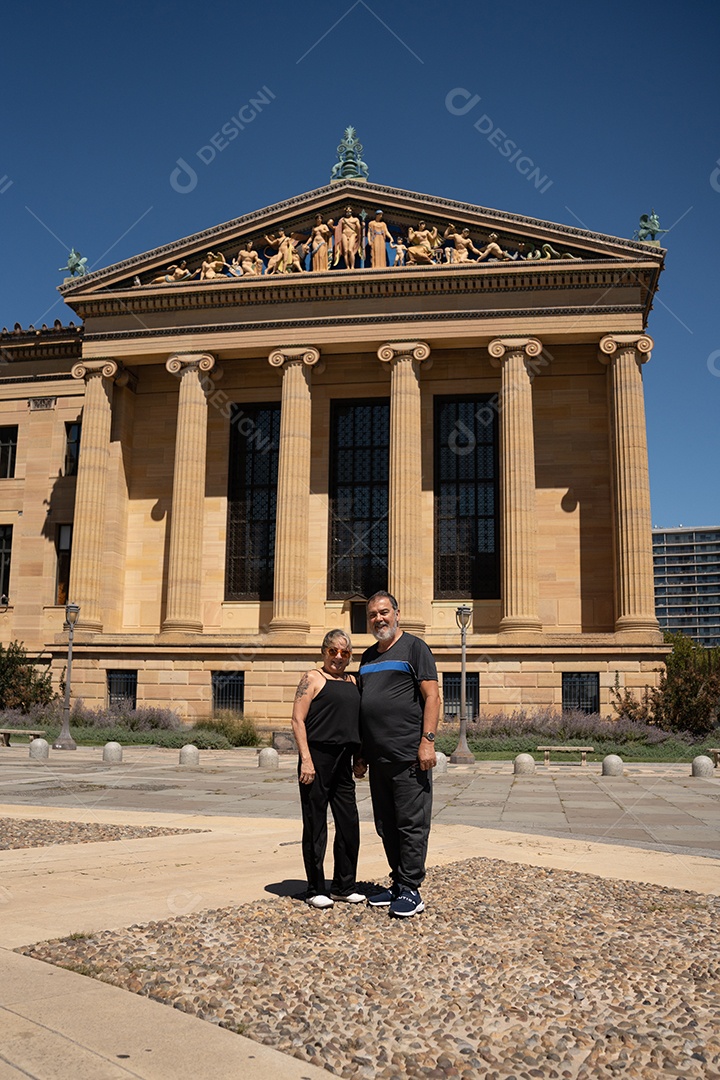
<point x="385" y="717"/>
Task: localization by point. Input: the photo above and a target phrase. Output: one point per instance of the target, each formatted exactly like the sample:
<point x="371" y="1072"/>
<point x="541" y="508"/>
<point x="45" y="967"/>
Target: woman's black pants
<point x="334" y="786"/>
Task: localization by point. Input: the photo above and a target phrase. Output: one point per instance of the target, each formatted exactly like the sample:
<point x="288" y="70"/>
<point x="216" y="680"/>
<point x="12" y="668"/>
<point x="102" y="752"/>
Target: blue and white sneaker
<point x="385" y="897"/>
<point x="407" y="903"/>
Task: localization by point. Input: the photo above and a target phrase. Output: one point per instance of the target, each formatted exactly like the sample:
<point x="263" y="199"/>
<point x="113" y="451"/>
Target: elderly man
<point x="399" y="712"/>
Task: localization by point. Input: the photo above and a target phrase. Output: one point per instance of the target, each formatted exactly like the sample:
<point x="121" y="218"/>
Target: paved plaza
<point x="656" y="825"/>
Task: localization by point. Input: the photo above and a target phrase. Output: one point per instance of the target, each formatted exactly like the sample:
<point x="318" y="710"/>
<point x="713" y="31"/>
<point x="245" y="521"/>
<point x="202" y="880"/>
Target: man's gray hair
<point x="333" y="635"/>
<point x="382" y="595"/>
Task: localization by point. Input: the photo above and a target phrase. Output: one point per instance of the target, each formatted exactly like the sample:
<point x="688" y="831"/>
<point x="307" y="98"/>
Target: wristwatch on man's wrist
<point x="429" y="735"/>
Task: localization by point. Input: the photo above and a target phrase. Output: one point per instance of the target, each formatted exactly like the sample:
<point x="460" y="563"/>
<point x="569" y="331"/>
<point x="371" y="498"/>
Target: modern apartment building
<point x="687" y="582"/>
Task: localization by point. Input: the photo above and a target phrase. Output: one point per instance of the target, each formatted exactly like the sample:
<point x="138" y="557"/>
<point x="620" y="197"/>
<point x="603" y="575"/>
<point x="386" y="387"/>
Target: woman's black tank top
<point x="334" y="713"/>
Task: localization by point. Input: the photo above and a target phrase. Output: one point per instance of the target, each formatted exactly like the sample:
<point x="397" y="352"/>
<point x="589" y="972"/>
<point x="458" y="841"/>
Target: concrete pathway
<point x="655" y="824"/>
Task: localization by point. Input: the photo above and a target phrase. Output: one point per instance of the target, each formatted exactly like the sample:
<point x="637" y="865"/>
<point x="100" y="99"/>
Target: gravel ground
<point x="511" y="972"/>
<point x="36" y="832"/>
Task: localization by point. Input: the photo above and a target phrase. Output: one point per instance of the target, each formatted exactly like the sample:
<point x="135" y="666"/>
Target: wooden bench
<point x="6" y="732"/>
<point x="584" y="750"/>
<point x="715" y="756"/>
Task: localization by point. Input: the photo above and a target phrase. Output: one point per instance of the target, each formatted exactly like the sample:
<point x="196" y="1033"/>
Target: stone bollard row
<point x="612" y="765"/>
<point x="442" y="763"/>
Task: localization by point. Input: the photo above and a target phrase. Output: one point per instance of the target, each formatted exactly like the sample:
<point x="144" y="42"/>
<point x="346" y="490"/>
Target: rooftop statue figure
<point x="649" y="227"/>
<point x="76" y="265"/>
<point x="463" y="244"/>
<point x="350" y="165"/>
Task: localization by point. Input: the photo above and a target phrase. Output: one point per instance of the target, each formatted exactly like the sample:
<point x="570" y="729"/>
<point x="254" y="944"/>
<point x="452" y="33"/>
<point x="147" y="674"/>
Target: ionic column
<point x="634" y="588"/>
<point x="89" y="518"/>
<point x="290" y="595"/>
<point x="405" y="527"/>
<point x="183" y="607"/>
<point x="517" y="456"/>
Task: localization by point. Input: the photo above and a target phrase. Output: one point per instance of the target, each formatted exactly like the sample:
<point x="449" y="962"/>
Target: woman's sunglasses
<point x="344" y="653"/>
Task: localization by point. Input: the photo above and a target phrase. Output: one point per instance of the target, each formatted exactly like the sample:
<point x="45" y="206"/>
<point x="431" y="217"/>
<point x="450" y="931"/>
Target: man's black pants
<point x="402" y="807"/>
<point x="333" y="785"/>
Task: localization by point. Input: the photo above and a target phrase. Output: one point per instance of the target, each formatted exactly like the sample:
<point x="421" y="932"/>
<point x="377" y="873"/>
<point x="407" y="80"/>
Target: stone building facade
<point x="219" y="468"/>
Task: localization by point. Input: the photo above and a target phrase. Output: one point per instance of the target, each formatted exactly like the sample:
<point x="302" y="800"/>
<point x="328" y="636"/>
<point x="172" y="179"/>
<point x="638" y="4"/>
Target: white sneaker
<point x="351" y="898"/>
<point x="319" y="901"/>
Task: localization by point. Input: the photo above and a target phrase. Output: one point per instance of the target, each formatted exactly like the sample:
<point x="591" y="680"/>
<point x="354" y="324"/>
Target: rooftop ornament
<point x="649" y="229"/>
<point x="76" y="265"/>
<point x="350" y="165"/>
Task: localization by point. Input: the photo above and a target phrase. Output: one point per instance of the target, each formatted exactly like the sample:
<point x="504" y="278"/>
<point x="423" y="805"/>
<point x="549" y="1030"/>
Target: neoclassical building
<point x="252" y="429"/>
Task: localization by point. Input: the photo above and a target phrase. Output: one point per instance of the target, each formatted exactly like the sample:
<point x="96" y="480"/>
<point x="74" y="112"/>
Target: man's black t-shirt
<point x="391" y="704"/>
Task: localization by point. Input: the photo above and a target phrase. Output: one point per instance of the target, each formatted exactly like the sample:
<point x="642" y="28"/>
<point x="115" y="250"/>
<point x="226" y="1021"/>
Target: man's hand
<point x="426" y="755"/>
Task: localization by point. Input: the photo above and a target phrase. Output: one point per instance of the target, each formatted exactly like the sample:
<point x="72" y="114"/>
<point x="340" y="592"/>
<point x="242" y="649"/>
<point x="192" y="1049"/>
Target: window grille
<point x="451" y="695"/>
<point x="122" y="689"/>
<point x="581" y="691"/>
<point x="228" y="690"/>
<point x="466" y="498"/>
<point x="8" y="452"/>
<point x="359" y="467"/>
<point x="252" y="501"/>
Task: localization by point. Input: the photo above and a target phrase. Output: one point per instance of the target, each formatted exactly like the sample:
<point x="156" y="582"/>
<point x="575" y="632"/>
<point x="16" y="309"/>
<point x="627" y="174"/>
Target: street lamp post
<point x="462" y="754"/>
<point x="65" y="740"/>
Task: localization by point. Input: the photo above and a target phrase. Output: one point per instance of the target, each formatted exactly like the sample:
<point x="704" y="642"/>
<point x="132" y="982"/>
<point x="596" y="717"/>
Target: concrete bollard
<point x="112" y="753"/>
<point x="612" y="765"/>
<point x="702" y="766"/>
<point x="524" y="765"/>
<point x="442" y="763"/>
<point x="268" y="758"/>
<point x="189" y="755"/>
<point x="39" y="749"/>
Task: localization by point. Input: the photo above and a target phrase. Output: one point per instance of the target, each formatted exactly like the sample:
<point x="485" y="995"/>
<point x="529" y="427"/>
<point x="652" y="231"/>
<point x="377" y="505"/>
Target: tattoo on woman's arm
<point x="302" y="687"/>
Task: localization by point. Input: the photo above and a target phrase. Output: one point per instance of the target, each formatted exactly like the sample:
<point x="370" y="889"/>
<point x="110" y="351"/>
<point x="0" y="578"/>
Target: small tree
<point x="21" y="686"/>
<point x="688" y="696"/>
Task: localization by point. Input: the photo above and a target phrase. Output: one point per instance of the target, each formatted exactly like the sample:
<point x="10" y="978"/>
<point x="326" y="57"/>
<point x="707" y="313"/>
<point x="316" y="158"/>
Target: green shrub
<point x="239" y="730"/>
<point x="21" y="685"/>
<point x="98" y="736"/>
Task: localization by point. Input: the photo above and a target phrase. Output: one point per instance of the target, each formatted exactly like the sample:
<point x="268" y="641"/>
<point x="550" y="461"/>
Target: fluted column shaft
<point x="292" y="522"/>
<point x="634" y="587"/>
<point x="184" y="581"/>
<point x="517" y="455"/>
<point x="89" y="517"/>
<point x="405" y="559"/>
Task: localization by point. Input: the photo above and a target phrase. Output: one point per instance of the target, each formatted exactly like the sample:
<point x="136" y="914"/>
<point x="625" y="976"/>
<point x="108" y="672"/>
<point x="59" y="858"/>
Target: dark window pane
<point x="581" y="690"/>
<point x="72" y="448"/>
<point x="228" y="690"/>
<point x="451" y="694"/>
<point x="252" y="491"/>
<point x="466" y="486"/>
<point x="5" y="553"/>
<point x="359" y="454"/>
<point x="122" y="689"/>
<point x="8" y="452"/>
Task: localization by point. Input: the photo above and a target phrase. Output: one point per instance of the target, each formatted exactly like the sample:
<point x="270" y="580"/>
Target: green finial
<point x="350" y="165"/>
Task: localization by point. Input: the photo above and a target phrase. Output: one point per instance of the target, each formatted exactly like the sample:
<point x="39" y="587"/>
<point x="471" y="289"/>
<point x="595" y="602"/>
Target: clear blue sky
<point x="615" y="103"/>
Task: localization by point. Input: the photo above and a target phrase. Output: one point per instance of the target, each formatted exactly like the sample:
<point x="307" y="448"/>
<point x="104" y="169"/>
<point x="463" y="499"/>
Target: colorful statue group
<point x="353" y="242"/>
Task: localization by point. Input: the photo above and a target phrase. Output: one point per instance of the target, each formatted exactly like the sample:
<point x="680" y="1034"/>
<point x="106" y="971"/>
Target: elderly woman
<point x="325" y="723"/>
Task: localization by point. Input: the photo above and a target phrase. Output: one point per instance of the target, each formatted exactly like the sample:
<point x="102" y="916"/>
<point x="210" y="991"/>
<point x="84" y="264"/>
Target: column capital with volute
<point x="100" y="365"/>
<point x="298" y="354"/>
<point x="180" y="362"/>
<point x="415" y="350"/>
<point x="501" y="348"/>
<point x="611" y="343"/>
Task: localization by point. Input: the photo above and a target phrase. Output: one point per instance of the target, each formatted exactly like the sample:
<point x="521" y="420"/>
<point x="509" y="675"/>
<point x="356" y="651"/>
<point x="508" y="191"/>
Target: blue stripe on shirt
<point x="387" y="665"/>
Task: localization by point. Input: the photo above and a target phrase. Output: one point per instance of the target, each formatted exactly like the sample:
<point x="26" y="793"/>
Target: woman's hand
<point x="359" y="768"/>
<point x="307" y="770"/>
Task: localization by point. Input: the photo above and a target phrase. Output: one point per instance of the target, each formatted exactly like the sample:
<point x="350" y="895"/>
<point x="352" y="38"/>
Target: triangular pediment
<point x="515" y="238"/>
